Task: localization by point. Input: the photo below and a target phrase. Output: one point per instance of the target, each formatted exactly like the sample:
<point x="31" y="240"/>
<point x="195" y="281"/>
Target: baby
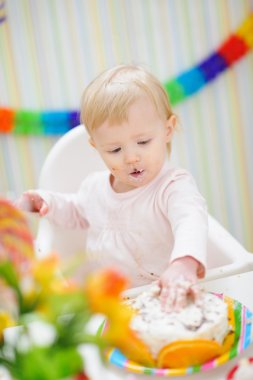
<point x="142" y="216"/>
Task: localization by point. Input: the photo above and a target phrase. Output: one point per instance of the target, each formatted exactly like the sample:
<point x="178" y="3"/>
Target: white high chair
<point x="67" y="164"/>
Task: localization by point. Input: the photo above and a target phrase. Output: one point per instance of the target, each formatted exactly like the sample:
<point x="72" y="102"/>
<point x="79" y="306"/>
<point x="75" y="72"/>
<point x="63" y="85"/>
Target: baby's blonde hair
<point x="109" y="96"/>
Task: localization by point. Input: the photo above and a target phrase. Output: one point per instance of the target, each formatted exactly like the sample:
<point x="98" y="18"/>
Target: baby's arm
<point x="64" y="210"/>
<point x="187" y="212"/>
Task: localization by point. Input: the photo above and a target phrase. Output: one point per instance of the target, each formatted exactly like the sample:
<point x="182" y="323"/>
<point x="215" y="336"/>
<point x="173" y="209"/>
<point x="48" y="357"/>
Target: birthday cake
<point x="204" y="321"/>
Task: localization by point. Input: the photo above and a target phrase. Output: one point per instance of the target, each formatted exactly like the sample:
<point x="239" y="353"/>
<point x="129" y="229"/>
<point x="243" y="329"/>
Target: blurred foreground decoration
<point x="184" y="85"/>
<point x="2" y="11"/>
<point x="34" y="292"/>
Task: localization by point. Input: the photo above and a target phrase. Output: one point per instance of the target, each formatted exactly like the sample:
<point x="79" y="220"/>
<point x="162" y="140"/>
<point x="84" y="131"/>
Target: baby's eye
<point x="116" y="150"/>
<point x="144" y="142"/>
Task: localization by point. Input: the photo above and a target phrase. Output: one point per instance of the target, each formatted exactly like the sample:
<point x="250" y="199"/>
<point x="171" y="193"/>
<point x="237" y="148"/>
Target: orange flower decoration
<point x="104" y="290"/>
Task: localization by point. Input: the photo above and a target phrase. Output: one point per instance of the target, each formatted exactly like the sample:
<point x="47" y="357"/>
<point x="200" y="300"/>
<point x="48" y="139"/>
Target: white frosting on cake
<point x="203" y="320"/>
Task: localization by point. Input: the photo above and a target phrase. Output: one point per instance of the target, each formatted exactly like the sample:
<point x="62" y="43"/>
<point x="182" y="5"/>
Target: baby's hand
<point x="178" y="283"/>
<point x="32" y="202"/>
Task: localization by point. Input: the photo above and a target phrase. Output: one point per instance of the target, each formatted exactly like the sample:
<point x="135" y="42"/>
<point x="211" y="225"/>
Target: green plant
<point x="34" y="290"/>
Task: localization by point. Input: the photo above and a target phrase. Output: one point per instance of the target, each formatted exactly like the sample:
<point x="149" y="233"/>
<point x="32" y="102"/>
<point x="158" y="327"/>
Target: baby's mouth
<point x="137" y="173"/>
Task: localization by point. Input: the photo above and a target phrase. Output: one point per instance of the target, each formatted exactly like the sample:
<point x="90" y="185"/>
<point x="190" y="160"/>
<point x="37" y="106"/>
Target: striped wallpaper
<point x="51" y="49"/>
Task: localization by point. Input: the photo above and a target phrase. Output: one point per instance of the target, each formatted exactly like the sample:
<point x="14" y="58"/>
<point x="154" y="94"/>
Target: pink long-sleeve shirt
<point x="140" y="231"/>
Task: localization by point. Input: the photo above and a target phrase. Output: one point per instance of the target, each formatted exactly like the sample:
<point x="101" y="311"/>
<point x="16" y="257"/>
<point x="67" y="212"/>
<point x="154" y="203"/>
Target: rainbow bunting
<point x="228" y="53"/>
<point x="179" y="88"/>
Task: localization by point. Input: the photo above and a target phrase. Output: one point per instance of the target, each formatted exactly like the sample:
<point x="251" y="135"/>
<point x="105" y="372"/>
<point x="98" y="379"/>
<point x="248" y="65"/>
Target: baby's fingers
<point x="44" y="209"/>
<point x="37" y="202"/>
<point x="175" y="297"/>
<point x="184" y="296"/>
<point x="164" y="294"/>
<point x="181" y="299"/>
<point x="196" y="292"/>
<point x="168" y="298"/>
<point x="39" y="205"/>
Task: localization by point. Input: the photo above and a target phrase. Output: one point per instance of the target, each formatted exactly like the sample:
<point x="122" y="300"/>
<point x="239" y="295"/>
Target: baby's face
<point x="134" y="150"/>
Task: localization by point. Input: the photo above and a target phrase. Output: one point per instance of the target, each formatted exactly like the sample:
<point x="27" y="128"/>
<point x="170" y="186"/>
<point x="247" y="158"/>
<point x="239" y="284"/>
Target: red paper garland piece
<point x="233" y="49"/>
<point x="6" y="120"/>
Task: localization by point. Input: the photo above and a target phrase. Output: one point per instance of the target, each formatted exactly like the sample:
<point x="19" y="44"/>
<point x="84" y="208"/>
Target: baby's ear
<point x="91" y="142"/>
<point x="170" y="126"/>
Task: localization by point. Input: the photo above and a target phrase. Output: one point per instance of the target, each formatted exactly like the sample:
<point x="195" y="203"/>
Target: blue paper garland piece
<point x="191" y="81"/>
<point x="212" y="66"/>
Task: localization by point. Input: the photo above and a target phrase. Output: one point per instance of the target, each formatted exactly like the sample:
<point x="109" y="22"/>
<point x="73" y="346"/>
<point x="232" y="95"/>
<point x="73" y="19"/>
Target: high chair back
<point x="70" y="160"/>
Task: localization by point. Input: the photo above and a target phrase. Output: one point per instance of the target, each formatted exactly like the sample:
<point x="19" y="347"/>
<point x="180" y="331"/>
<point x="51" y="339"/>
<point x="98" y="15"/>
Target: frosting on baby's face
<point x="134" y="150"/>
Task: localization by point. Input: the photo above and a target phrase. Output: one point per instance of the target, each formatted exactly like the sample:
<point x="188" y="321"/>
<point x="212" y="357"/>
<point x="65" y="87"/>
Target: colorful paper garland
<point x="231" y="50"/>
<point x="37" y="123"/>
<point x="179" y="88"/>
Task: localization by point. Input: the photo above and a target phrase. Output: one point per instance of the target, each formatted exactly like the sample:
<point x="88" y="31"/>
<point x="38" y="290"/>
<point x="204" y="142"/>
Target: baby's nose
<point x="132" y="157"/>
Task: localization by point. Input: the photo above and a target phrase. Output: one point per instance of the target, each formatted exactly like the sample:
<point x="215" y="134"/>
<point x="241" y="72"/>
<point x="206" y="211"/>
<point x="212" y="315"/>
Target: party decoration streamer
<point x="37" y="123"/>
<point x="179" y="88"/>
<point x="230" y="51"/>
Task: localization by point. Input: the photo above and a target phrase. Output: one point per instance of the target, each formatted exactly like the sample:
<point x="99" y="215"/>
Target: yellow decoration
<point x="5" y="321"/>
<point x="246" y="31"/>
<point x="230" y="338"/>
